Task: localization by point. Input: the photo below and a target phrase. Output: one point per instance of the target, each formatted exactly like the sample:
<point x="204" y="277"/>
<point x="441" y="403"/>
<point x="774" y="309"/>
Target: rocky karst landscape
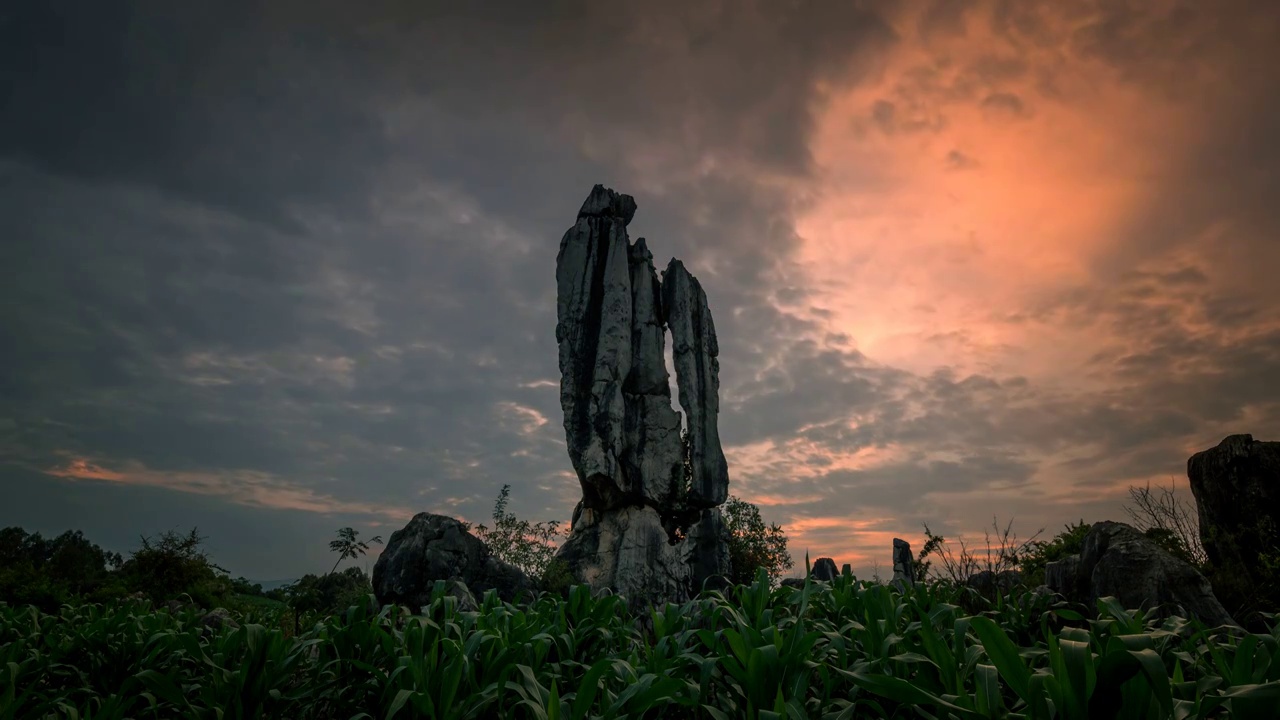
<point x="649" y="526"/>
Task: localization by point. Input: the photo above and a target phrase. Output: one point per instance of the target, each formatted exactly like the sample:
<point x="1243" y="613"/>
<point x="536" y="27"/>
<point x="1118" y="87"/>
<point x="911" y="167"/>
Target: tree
<point x="1169" y="521"/>
<point x="174" y="565"/>
<point x="752" y="544"/>
<point x="529" y="546"/>
<point x="347" y="546"/>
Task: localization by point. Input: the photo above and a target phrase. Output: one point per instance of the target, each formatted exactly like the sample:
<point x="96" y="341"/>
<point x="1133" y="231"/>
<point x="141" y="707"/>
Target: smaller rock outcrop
<point x="904" y="568"/>
<point x="218" y="619"/>
<point x="846" y="569"/>
<point x="437" y="547"/>
<point x="824" y="569"/>
<point x="1120" y="562"/>
<point x="989" y="582"/>
<point x="1237" y="490"/>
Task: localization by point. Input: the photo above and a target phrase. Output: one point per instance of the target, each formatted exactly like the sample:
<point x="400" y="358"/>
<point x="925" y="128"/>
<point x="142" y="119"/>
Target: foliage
<point x="528" y="546"/>
<point x="932" y="546"/>
<point x="557" y="578"/>
<point x="835" y="650"/>
<point x="1042" y="552"/>
<point x="48" y="573"/>
<point x="173" y="565"/>
<point x="245" y="589"/>
<point x="1171" y="522"/>
<point x="330" y="593"/>
<point x="347" y="546"/>
<point x="1000" y="551"/>
<point x="753" y="546"/>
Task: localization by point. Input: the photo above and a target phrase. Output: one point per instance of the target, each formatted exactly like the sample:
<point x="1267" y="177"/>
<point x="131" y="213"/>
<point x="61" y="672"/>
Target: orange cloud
<point x="242" y="487"/>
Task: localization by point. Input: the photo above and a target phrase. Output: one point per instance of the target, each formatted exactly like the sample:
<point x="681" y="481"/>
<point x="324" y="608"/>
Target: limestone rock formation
<point x="646" y="526"/>
<point x="824" y="568"/>
<point x="436" y="547"/>
<point x="1237" y="490"/>
<point x="904" y="568"/>
<point x="1121" y="562"/>
<point x="695" y="351"/>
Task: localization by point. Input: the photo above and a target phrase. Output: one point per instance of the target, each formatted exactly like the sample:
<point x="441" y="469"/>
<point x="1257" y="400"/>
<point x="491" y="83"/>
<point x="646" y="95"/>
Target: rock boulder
<point x="437" y="547"/>
<point x="1237" y="490"/>
<point x="904" y="568"/>
<point x="824" y="568"/>
<point x="1119" y="561"/>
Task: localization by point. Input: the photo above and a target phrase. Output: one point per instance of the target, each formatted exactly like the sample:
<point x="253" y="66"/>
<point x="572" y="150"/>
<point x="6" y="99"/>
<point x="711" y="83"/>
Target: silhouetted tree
<point x="347" y="546"/>
<point x="752" y="544"/>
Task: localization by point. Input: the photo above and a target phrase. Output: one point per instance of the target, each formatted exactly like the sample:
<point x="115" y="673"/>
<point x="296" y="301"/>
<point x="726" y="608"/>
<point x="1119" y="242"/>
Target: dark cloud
<point x="957" y="160"/>
<point x="313" y="244"/>
<point x="1003" y="104"/>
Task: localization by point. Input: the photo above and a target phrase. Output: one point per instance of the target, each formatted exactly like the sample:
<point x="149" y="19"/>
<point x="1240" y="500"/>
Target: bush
<point x="173" y="565"/>
<point x="329" y="594"/>
<point x="1001" y="551"/>
<point x="528" y="546"/>
<point x="1042" y="552"/>
<point x="753" y="546"/>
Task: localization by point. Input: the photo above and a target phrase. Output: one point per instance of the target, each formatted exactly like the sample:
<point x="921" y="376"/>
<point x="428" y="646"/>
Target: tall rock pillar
<point x="645" y="526"/>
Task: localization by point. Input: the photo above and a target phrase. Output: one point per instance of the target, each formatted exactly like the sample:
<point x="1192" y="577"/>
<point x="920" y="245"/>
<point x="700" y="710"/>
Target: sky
<point x="273" y="269"/>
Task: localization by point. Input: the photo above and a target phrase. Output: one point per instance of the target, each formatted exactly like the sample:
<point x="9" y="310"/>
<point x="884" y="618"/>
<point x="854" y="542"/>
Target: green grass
<point x="844" y="650"/>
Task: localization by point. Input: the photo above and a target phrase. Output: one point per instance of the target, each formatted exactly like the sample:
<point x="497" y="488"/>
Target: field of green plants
<point x="850" y="649"/>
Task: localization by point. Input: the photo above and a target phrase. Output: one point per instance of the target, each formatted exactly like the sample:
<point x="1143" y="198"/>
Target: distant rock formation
<point x="648" y="525"/>
<point x="1237" y="490"/>
<point x="437" y="547"/>
<point x="904" y="569"/>
<point x="824" y="568"/>
<point x="1121" y="562"/>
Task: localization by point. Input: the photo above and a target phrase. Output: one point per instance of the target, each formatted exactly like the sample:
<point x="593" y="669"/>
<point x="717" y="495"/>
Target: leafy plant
<point x="528" y="546"/>
<point x="753" y="546"/>
<point x="348" y="546"/>
<point x="1042" y="552"/>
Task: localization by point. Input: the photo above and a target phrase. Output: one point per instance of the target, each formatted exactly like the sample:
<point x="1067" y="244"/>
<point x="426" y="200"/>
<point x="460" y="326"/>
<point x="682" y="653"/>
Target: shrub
<point x="528" y="546"/>
<point x="753" y="546"/>
<point x="173" y="565"/>
<point x="329" y="594"/>
<point x="1042" y="552"/>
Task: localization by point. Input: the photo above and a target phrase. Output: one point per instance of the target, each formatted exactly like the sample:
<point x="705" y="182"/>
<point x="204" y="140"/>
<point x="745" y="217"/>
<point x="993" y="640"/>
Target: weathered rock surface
<point x="627" y="549"/>
<point x="824" y="568"/>
<point x="218" y="619"/>
<point x="646" y="527"/>
<point x="1121" y="562"/>
<point x="989" y="582"/>
<point x="1237" y="490"/>
<point x="459" y="591"/>
<point x="904" y="568"/>
<point x="436" y="547"/>
<point x="695" y="351"/>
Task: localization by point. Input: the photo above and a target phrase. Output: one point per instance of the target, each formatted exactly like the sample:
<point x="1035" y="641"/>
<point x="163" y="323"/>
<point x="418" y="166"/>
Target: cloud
<point x="294" y="269"/>
<point x="1003" y="105"/>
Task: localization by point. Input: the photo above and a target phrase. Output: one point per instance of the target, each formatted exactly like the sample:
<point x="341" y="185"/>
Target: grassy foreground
<point x="844" y="650"/>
